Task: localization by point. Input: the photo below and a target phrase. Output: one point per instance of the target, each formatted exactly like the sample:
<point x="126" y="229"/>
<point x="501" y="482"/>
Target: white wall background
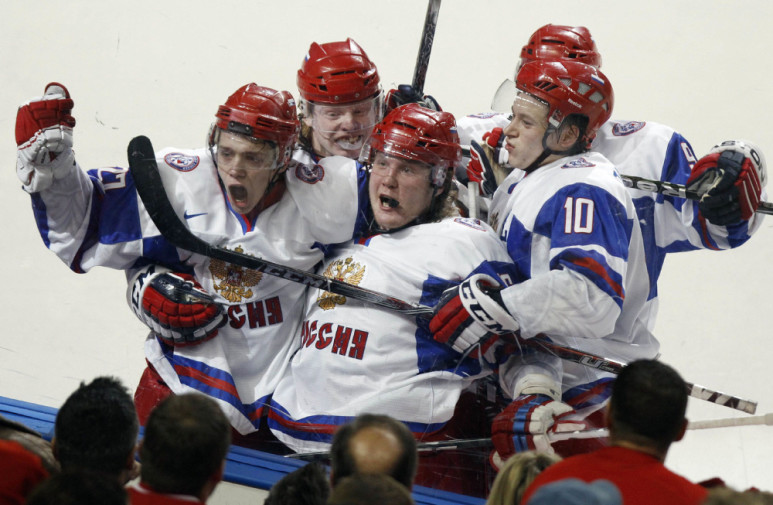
<point x="161" y="68"/>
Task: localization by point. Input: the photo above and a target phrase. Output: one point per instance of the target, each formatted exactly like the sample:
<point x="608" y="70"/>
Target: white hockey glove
<point x="471" y="314"/>
<point x="730" y="180"/>
<point x="44" y="138"/>
<point x="175" y="307"/>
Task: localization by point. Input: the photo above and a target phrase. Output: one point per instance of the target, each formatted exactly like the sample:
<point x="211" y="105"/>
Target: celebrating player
<point x="355" y="358"/>
<point x="570" y="226"/>
<point x="341" y="99"/>
<point x="242" y="192"/>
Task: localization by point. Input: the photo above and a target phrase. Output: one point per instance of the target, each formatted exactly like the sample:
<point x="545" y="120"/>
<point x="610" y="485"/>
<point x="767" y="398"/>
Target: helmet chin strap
<point x="546" y="151"/>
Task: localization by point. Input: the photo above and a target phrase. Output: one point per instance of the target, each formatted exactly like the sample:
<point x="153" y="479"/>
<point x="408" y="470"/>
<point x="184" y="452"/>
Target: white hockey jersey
<point x="571" y="229"/>
<point x="356" y="358"/>
<point x="652" y="151"/>
<point x="98" y="220"/>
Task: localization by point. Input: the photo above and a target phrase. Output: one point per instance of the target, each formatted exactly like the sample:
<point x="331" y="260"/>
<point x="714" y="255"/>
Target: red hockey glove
<point x="730" y="181"/>
<point x="485" y="159"/>
<point x="176" y="308"/>
<point x="44" y="125"/>
<point x="524" y="425"/>
<point x="44" y="139"/>
<point x="469" y="313"/>
<point x="406" y="94"/>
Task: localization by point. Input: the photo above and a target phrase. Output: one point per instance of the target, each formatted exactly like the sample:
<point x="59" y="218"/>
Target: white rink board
<point x="162" y="68"/>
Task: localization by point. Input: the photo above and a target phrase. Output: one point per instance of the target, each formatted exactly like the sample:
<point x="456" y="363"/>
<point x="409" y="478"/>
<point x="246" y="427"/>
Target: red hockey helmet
<point x="559" y="42"/>
<point x="416" y="133"/>
<point x="261" y="113"/>
<point x="569" y="87"/>
<point x="337" y="72"/>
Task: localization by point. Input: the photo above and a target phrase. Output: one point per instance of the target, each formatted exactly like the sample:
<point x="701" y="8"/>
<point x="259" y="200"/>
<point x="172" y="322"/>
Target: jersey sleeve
<point x="95" y="218"/>
<point x="329" y="194"/>
<point x="574" y="263"/>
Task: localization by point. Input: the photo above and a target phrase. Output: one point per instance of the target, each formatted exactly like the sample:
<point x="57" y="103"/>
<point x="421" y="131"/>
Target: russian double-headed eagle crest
<point x="233" y="282"/>
<point x="346" y="270"/>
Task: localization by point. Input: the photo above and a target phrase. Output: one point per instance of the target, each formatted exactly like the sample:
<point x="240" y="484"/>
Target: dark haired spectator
<point x="646" y="414"/>
<point x="183" y="452"/>
<point x="79" y="487"/>
<point x="96" y="429"/>
<point x="308" y="485"/>
<point x="369" y="489"/>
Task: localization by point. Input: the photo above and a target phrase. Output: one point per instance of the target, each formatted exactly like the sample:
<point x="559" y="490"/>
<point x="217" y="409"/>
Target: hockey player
<point x="341" y="99"/>
<point x="356" y="358"/>
<point x="571" y="228"/>
<point x="241" y="192"/>
<point x="724" y="219"/>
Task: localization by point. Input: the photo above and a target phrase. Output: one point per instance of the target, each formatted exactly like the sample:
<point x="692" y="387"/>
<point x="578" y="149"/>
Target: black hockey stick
<point x="662" y="187"/>
<point x="147" y="180"/>
<point x="425" y="47"/>
<point x="144" y="170"/>
<point x="612" y="366"/>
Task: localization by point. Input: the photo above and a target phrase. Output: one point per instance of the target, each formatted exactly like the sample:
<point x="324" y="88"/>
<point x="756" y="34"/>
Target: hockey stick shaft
<point x="766" y="420"/>
<point x="612" y="366"/>
<point x="678" y="190"/>
<point x="662" y="187"/>
<point x="144" y="170"/>
<point x="425" y="46"/>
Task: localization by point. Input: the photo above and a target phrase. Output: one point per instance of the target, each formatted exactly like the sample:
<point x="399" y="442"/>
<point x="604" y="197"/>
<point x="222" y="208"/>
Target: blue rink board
<point x="247" y="467"/>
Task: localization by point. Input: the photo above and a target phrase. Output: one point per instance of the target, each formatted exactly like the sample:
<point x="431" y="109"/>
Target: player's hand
<point x="44" y="125"/>
<point x="406" y="94"/>
<point x="525" y="423"/>
<point x="730" y="180"/>
<point x="175" y="307"/>
<point x="486" y="160"/>
<point x="44" y="138"/>
<point x="468" y="314"/>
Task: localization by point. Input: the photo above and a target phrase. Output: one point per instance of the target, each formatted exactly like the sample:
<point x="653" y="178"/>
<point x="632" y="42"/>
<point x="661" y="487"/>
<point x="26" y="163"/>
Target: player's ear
<point x="682" y="431"/>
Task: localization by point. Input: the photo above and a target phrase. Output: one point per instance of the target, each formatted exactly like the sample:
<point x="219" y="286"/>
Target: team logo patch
<point x="579" y="163"/>
<point x="475" y="224"/>
<point x="348" y="271"/>
<point x="181" y="162"/>
<point x="309" y="174"/>
<point x="623" y="129"/>
<point x="232" y="282"/>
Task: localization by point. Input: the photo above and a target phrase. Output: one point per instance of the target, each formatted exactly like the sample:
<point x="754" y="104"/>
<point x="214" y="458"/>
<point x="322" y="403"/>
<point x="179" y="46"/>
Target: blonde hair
<point x="517" y="474"/>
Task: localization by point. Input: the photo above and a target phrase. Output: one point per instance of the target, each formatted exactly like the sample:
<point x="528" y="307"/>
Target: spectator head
<point x="186" y="441"/>
<point x="648" y="405"/>
<point x="577" y="492"/>
<point x="374" y="443"/>
<point x="96" y="429"/>
<point x="308" y="485"/>
<point x="518" y="472"/>
<point x="79" y="487"/>
<point x="369" y="489"/>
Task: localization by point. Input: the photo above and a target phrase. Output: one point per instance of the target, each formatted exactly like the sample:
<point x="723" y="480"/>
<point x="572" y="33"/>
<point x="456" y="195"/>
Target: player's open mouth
<point x="389" y="202"/>
<point x="238" y="193"/>
<point x="351" y="142"/>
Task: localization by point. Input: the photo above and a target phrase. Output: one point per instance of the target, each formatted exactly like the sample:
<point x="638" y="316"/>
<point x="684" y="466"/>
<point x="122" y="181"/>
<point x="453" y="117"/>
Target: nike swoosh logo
<point x="190" y="216"/>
